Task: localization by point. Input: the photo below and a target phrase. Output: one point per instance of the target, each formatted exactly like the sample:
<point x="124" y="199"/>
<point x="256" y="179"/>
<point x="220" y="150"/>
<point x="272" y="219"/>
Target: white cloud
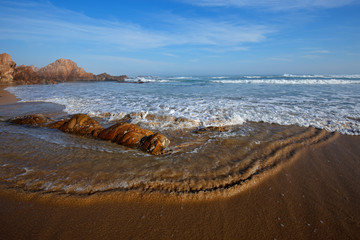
<point x="272" y="4"/>
<point x="46" y="22"/>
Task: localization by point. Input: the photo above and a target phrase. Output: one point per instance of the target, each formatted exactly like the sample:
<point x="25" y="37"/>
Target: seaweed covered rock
<point x="36" y="120"/>
<point x="154" y="144"/>
<point x="81" y="124"/>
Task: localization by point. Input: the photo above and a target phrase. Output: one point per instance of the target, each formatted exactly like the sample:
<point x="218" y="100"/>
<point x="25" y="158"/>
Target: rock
<point x="81" y="124"/>
<point x="124" y="133"/>
<point x="56" y="124"/>
<point x="36" y="120"/>
<point x="154" y="144"/>
<point x="7" y="68"/>
<point x="131" y="139"/>
<point x="64" y="70"/>
<point x="26" y="75"/>
<point x="107" y="77"/>
<point x="116" y="132"/>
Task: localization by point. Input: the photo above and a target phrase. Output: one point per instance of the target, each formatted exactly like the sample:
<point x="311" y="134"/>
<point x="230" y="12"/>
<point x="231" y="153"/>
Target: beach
<point x="311" y="195"/>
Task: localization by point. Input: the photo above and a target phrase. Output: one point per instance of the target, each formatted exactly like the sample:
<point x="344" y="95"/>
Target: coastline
<point x="313" y="196"/>
<point x="6" y="97"/>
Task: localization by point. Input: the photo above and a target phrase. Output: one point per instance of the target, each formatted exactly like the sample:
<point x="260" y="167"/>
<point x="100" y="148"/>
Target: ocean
<point x="330" y="102"/>
<point x="267" y="119"/>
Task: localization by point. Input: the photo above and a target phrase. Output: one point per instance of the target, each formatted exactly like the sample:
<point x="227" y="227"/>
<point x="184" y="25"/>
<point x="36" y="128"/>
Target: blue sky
<point x="186" y="37"/>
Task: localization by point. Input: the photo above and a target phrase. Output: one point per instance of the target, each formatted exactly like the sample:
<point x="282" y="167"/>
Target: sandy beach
<point x="314" y="195"/>
<point x="6" y="97"/>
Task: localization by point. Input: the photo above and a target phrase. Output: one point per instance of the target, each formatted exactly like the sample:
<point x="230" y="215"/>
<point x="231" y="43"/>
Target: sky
<point x="186" y="37"/>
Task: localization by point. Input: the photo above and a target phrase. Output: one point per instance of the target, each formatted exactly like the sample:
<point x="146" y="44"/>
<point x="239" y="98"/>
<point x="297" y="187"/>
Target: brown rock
<point x="131" y="139"/>
<point x="26" y="75"/>
<point x="116" y="132"/>
<point x="64" y="70"/>
<point x="56" y="124"/>
<point x="154" y="144"/>
<point x="7" y="68"/>
<point x="36" y="120"/>
<point x="81" y="124"/>
<point x="107" y="77"/>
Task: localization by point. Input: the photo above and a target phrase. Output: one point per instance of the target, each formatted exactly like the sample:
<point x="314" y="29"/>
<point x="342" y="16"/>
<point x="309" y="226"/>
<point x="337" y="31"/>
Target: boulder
<point x="116" y="132"/>
<point x="7" y="68"/>
<point x="154" y="144"/>
<point x="36" y="120"/>
<point x="81" y="124"/>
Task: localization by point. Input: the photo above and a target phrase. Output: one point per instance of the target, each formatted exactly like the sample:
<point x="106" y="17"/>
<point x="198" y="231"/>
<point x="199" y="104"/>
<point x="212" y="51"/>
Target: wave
<point x="290" y="81"/>
<point x="148" y="79"/>
<point x="335" y="76"/>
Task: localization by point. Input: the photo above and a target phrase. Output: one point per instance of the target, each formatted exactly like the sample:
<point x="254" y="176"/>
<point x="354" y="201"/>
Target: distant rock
<point x="7" y="68"/>
<point x="62" y="70"/>
<point x="107" y="77"/>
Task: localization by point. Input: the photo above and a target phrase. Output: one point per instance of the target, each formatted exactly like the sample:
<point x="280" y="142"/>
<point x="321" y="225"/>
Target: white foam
<point x="335" y="108"/>
<point x="341" y="76"/>
<point x="290" y="81"/>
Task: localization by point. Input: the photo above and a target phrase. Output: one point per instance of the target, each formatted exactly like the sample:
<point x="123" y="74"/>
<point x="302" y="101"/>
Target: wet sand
<point x="314" y="195"/>
<point x="6" y="97"/>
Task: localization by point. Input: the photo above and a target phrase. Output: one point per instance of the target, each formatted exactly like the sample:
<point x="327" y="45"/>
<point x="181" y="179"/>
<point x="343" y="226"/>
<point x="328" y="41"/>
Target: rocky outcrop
<point x="124" y="133"/>
<point x="107" y="77"/>
<point x="81" y="124"/>
<point x="7" y="68"/>
<point x="62" y="70"/>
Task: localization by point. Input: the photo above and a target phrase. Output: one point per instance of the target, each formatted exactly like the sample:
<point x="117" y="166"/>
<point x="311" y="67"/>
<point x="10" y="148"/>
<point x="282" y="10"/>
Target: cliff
<point x="62" y="70"/>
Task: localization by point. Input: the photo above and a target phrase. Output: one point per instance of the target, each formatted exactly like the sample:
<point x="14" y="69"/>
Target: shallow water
<point x="267" y="119"/>
<point x="48" y="160"/>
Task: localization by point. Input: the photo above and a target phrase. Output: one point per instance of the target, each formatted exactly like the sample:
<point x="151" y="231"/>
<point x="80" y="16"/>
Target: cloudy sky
<point x="186" y="37"/>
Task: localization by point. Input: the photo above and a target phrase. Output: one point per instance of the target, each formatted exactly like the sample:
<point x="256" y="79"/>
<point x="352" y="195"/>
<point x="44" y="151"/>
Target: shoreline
<point x="313" y="196"/>
<point x="6" y="97"/>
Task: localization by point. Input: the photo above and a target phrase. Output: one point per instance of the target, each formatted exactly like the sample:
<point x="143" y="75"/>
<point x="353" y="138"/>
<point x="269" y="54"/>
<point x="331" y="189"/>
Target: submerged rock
<point x="36" y="120"/>
<point x="211" y="129"/>
<point x="81" y="124"/>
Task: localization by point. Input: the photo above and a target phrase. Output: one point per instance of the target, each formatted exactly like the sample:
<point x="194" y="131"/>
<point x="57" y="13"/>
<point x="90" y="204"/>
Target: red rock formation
<point x="126" y="134"/>
<point x="64" y="70"/>
<point x="81" y="124"/>
<point x="7" y="68"/>
<point x="27" y="75"/>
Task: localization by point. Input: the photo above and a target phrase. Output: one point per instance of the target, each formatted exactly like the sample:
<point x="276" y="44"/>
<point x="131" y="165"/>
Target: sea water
<point x="330" y="102"/>
<point x="267" y="120"/>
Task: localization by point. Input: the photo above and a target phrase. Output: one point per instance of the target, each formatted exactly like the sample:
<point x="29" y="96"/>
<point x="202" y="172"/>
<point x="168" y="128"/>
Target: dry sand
<point x="313" y="196"/>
